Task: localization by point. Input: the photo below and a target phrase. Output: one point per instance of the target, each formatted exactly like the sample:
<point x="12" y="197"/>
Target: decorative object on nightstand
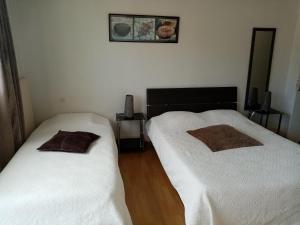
<point x="129" y="111"/>
<point x="130" y="144"/>
<point x="266" y="105"/>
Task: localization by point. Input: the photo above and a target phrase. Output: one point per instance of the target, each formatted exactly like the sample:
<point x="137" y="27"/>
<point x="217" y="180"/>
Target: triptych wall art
<point x="143" y="28"/>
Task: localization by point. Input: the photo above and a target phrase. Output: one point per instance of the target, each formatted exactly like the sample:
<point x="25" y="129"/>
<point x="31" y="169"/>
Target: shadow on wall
<point x="29" y="123"/>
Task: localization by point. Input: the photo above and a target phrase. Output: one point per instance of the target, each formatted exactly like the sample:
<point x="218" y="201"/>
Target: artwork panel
<point x="166" y="29"/>
<point x="121" y="28"/>
<point x="144" y="28"/>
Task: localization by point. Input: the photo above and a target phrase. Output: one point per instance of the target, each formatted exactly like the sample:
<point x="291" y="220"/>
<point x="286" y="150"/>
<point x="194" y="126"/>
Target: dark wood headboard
<point x="161" y="100"/>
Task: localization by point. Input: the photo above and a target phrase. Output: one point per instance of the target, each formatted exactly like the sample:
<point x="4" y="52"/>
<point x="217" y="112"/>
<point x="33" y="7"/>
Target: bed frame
<point x="161" y="100"/>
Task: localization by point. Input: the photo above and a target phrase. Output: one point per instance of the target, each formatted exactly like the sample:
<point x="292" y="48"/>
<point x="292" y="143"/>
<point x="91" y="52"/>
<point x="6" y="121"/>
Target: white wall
<point x="291" y="85"/>
<point x="62" y="47"/>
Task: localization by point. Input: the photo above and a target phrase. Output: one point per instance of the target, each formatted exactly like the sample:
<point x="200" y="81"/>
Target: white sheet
<point x="56" y="188"/>
<point x="249" y="186"/>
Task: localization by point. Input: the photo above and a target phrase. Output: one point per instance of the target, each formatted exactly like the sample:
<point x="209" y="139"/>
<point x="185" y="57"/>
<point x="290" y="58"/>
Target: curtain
<point x="11" y="115"/>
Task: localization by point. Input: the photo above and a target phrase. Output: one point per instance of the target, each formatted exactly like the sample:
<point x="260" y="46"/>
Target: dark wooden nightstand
<point x="267" y="114"/>
<point x="129" y="144"/>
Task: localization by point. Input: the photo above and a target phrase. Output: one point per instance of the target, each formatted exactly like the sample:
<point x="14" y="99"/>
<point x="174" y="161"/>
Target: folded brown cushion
<point x="222" y="137"/>
<point x="65" y="141"/>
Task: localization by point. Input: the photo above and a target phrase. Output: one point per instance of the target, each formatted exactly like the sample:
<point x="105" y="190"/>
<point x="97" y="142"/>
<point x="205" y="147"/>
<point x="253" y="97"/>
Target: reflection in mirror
<point x="259" y="67"/>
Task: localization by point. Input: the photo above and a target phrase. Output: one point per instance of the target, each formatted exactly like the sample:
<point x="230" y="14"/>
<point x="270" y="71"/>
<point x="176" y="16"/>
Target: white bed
<point x="57" y="188"/>
<point x="249" y="186"/>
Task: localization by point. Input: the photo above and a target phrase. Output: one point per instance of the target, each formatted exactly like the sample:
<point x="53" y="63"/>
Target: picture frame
<point x="143" y="28"/>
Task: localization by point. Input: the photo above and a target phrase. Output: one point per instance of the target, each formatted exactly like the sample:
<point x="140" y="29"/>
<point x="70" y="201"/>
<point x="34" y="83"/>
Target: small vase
<point x="128" y="111"/>
<point x="266" y="106"/>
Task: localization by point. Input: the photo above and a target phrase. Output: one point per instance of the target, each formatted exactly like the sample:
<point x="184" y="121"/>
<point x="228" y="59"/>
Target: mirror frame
<point x="255" y="29"/>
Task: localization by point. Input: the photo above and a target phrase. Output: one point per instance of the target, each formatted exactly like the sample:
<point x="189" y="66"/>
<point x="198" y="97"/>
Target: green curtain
<point x="11" y="114"/>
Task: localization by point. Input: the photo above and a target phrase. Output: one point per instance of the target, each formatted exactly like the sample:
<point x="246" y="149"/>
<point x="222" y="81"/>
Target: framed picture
<point x="120" y="28"/>
<point x="143" y="28"/>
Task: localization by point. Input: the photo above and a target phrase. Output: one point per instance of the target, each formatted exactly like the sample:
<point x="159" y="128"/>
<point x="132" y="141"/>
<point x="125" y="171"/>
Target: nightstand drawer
<point x="131" y="144"/>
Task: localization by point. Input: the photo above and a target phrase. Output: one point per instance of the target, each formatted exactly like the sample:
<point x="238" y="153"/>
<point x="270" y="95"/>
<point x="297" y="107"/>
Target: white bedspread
<point x="57" y="188"/>
<point x="246" y="186"/>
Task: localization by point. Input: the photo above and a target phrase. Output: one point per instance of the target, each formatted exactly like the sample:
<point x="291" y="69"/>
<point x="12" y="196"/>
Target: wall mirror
<point x="259" y="66"/>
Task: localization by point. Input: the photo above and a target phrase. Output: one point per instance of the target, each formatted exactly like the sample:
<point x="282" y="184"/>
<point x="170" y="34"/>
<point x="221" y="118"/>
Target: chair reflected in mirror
<point x="252" y="99"/>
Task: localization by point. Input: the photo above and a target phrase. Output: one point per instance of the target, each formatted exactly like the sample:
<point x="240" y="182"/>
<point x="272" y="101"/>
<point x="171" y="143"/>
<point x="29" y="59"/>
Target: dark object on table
<point x="129" y="111"/>
<point x="65" y="141"/>
<point x="266" y="105"/>
<point x="122" y="29"/>
<point x="130" y="144"/>
<point x="223" y="137"/>
<point x="267" y="114"/>
<point x="252" y="99"/>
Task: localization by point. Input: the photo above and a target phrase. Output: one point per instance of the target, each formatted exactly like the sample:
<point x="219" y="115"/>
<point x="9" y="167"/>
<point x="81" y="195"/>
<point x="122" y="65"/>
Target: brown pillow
<point x="65" y="141"/>
<point x="223" y="137"/>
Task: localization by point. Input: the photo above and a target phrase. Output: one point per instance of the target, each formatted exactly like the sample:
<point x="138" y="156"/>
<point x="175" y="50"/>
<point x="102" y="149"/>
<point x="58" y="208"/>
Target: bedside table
<point x="267" y="114"/>
<point x="130" y="143"/>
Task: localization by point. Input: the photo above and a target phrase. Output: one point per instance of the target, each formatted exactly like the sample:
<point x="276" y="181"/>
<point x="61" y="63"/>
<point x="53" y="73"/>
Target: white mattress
<point x="57" y="188"/>
<point x="246" y="186"/>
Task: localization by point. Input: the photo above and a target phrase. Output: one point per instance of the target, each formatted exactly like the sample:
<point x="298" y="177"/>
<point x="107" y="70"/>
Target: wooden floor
<point x="150" y="197"/>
